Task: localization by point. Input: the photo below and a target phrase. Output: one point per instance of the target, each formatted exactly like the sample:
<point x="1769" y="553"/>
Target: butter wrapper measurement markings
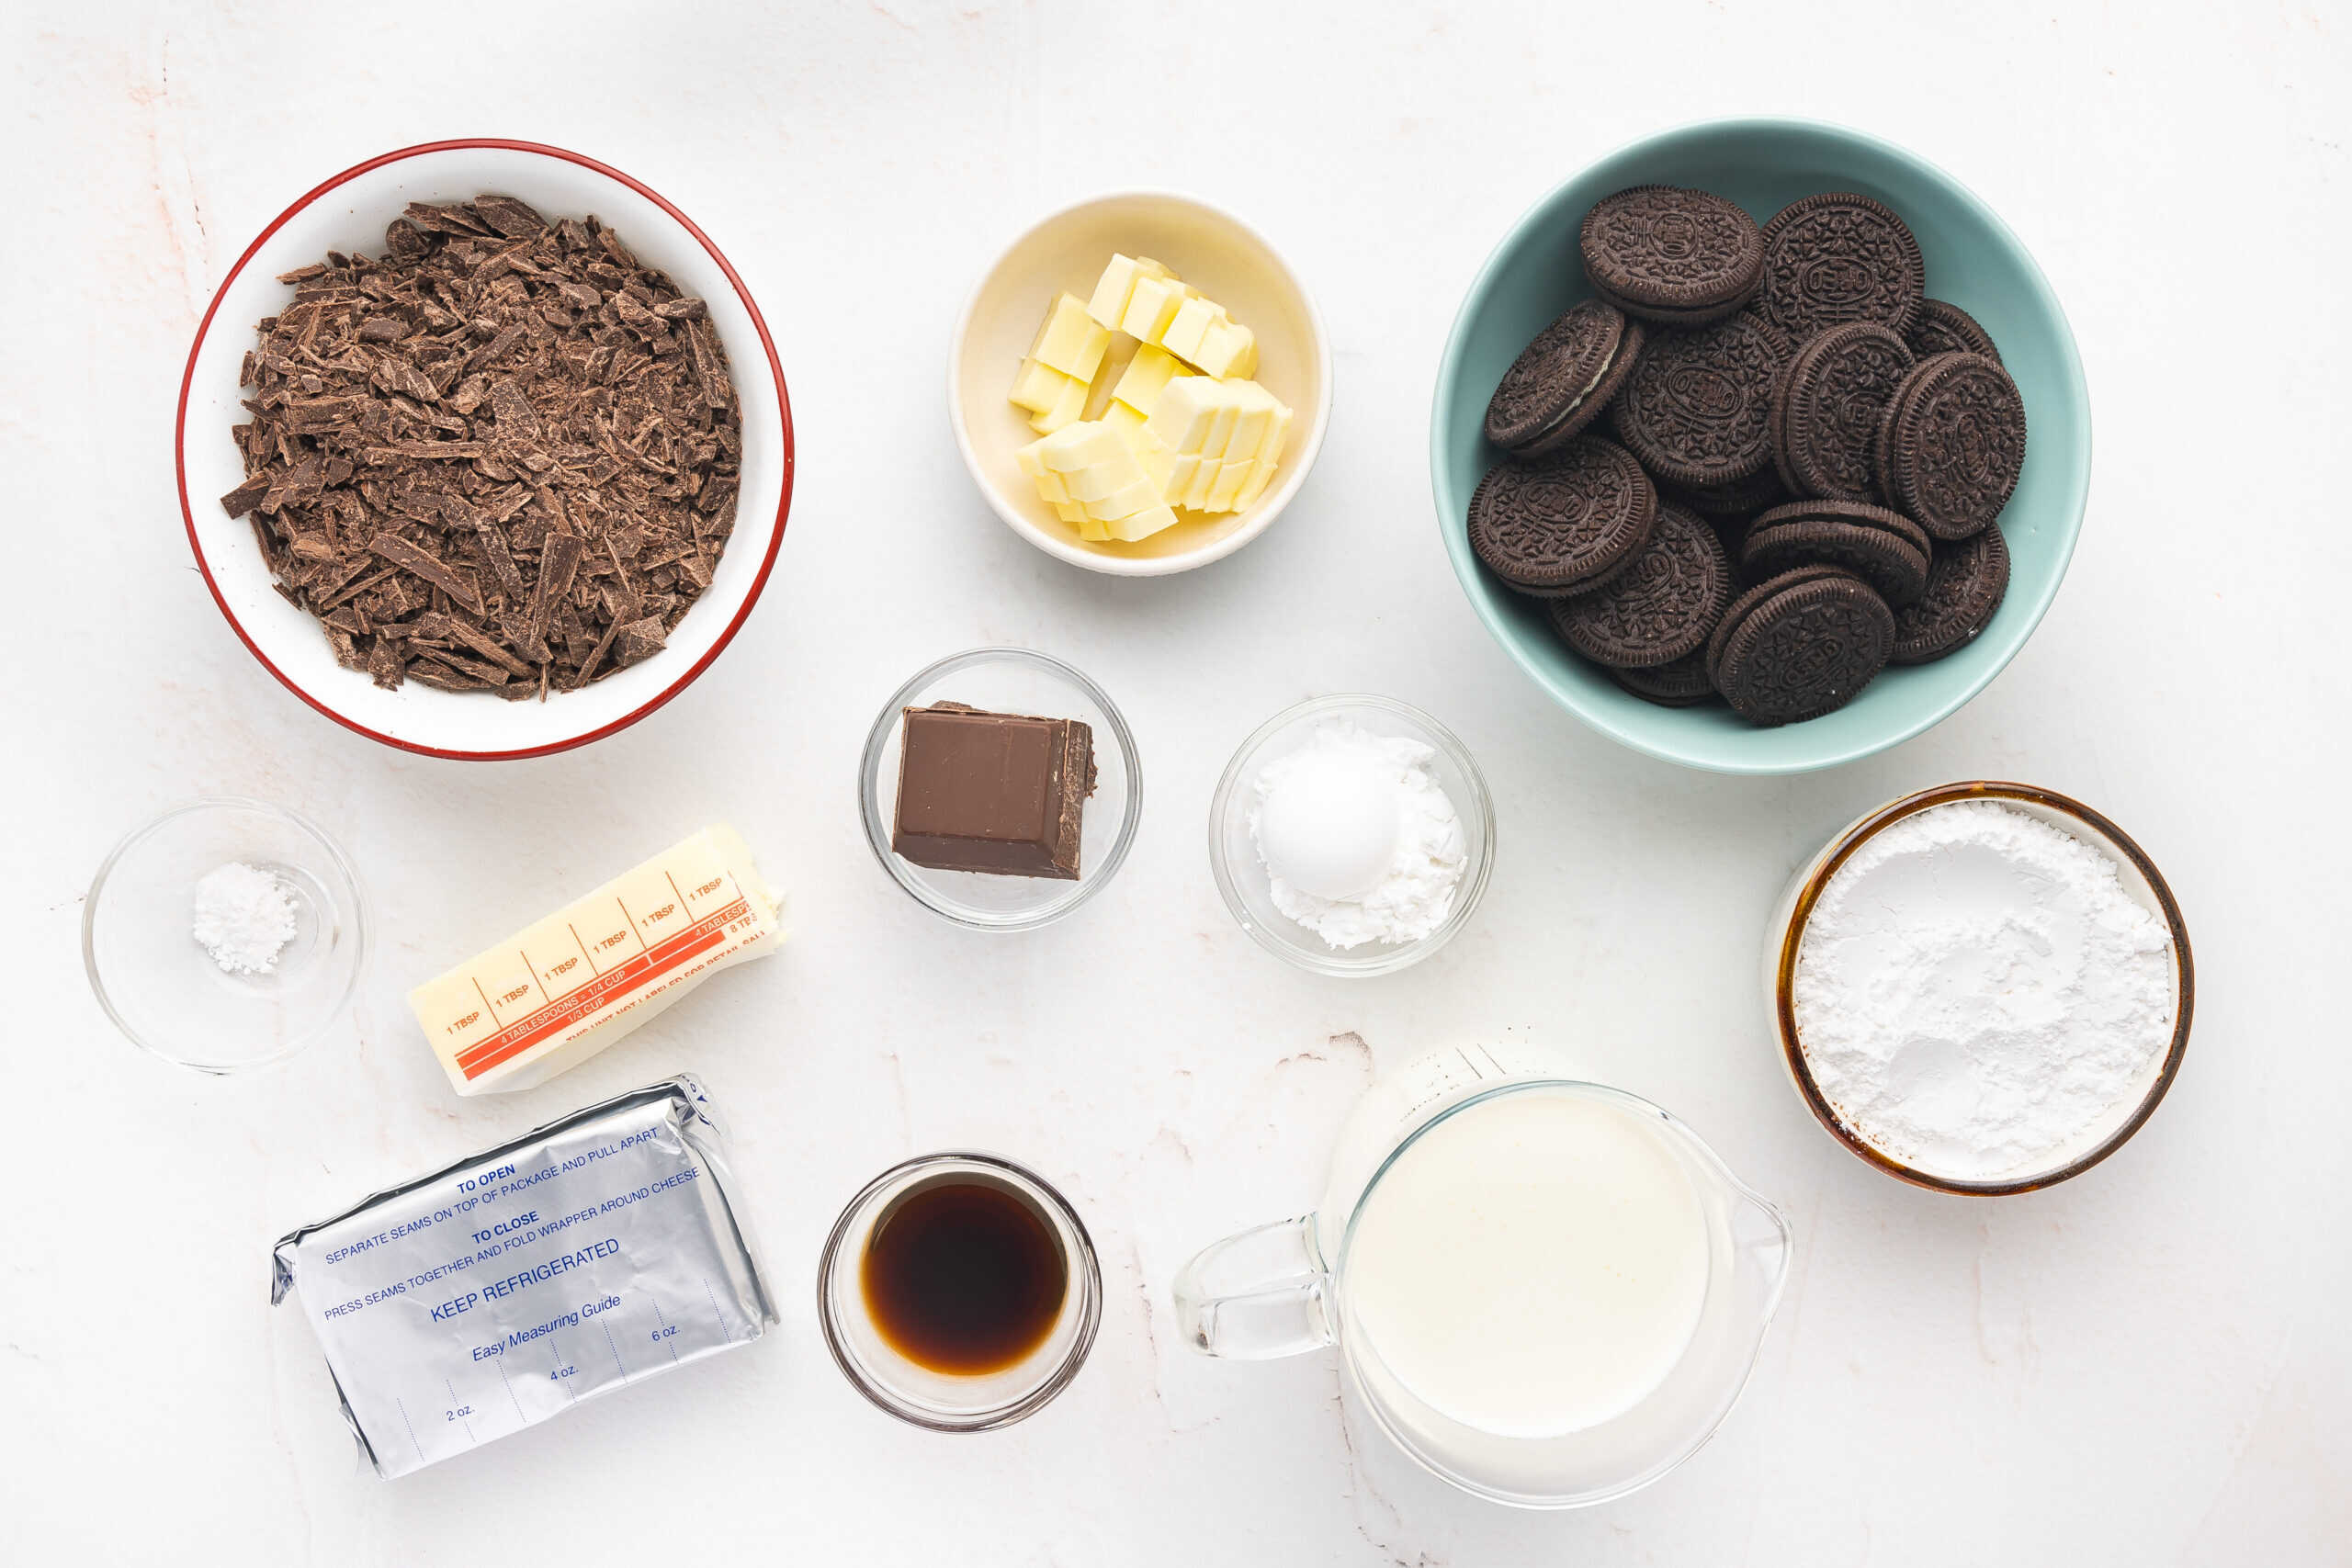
<point x="600" y="1249"/>
<point x="554" y="995"/>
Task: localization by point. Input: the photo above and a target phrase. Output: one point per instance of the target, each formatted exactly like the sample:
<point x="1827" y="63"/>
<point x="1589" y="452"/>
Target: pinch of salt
<point x="245" y="917"/>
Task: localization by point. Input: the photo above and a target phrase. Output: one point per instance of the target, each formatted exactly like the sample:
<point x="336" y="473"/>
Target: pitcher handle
<point x="1765" y="1237"/>
<point x="1257" y="1296"/>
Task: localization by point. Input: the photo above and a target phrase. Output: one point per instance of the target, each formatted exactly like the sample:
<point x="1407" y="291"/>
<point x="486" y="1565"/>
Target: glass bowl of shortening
<point x="225" y="934"/>
<point x="1982" y="988"/>
<point x="1351" y="835"/>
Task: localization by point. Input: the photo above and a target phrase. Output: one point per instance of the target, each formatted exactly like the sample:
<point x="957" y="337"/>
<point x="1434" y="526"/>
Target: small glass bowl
<point x="939" y="1401"/>
<point x="1017" y="680"/>
<point x="164" y="991"/>
<point x="1241" y="876"/>
<point x="1784" y="939"/>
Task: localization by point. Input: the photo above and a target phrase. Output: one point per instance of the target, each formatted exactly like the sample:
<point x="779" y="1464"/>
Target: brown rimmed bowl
<point x="2140" y="879"/>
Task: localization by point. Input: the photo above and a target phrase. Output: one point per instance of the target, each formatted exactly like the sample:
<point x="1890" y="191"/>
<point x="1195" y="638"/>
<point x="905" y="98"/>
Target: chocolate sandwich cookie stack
<point x="1804" y="463"/>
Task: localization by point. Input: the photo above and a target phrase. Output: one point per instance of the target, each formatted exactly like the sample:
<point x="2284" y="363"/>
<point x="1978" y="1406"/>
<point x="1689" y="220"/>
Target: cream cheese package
<point x="552" y="995"/>
<point x="597" y="1251"/>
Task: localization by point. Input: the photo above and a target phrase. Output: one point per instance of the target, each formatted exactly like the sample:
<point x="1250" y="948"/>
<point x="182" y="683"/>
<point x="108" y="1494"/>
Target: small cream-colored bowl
<point x="1784" y="939"/>
<point x="1213" y="251"/>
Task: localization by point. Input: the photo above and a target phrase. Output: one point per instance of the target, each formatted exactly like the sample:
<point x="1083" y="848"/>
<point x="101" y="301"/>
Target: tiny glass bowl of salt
<point x="1352" y="834"/>
<point x="225" y="934"/>
<point x="1983" y="988"/>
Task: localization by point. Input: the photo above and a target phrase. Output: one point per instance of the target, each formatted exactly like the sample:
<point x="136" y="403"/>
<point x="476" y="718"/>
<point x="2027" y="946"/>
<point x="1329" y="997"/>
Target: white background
<point x="2148" y="1365"/>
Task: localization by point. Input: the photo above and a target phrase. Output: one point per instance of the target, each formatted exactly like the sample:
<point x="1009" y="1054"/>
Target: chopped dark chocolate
<point x="503" y="456"/>
<point x="996" y="793"/>
<point x="246" y="496"/>
<point x="640" y="640"/>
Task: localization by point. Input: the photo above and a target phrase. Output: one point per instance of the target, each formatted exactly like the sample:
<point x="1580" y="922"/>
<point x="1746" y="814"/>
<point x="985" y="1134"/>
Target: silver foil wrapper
<point x="597" y="1251"/>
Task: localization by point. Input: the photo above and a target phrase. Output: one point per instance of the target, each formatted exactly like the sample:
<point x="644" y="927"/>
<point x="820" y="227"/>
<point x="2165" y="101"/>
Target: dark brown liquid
<point x="964" y="1277"/>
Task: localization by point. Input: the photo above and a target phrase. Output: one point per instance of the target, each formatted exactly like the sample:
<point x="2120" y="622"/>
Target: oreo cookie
<point x="1697" y="410"/>
<point x="1944" y="328"/>
<point x="1952" y="444"/>
<point x="1754" y="595"/>
<point x="1563" y="380"/>
<point x="1661" y="606"/>
<point x="1679" y="683"/>
<point x="1565" y="522"/>
<point x="1967" y="583"/>
<point x="1807" y="641"/>
<point x="1884" y="548"/>
<point x="1770" y="388"/>
<point x="1676" y="257"/>
<point x="1736" y="499"/>
<point x="1837" y="258"/>
<point x="1826" y="409"/>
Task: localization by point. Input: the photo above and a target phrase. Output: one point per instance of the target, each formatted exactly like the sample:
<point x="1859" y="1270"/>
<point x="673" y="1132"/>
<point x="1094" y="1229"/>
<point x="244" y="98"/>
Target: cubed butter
<point x="1253" y="418"/>
<point x="1193" y="321"/>
<point x="1072" y="342"/>
<point x="1067" y="408"/>
<point x="1135" y="496"/>
<point x="1143" y="524"/>
<point x="1079" y="447"/>
<point x="1050" y="488"/>
<point x="1182" y="423"/>
<point x="1146" y="376"/>
<point x="1228" y="350"/>
<point x="1230" y="476"/>
<point x="1186" y="414"/>
<point x="1262" y="472"/>
<point x="1106" y="473"/>
<point x="1270" y="452"/>
<point x="1154" y="460"/>
<point x="1038" y="386"/>
<point x="561" y="990"/>
<point x="1091" y="484"/>
<point x="1205" y="480"/>
<point x="1220" y="436"/>
<point x="1152" y="305"/>
<point x="1179" y="482"/>
<point x="1109" y="305"/>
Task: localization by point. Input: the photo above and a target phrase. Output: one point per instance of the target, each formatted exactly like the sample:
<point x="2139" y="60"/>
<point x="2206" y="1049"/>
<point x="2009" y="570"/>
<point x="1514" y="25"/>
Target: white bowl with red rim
<point x="348" y="213"/>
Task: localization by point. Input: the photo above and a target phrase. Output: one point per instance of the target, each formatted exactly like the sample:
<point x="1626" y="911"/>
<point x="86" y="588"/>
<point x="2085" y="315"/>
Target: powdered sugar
<point x="1413" y="895"/>
<point x="245" y="917"/>
<point x="1976" y="989"/>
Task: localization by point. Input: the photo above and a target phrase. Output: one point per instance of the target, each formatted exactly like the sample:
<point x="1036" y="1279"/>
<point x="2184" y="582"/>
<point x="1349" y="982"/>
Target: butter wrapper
<point x="599" y="1250"/>
<point x="553" y="994"/>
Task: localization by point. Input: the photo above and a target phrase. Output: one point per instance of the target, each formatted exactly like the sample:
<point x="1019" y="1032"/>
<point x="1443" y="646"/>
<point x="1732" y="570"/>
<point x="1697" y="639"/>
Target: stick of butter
<point x="554" y="995"/>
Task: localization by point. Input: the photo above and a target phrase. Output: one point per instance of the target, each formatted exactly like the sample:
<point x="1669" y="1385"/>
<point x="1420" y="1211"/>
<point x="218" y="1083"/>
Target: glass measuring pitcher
<point x="1548" y="1292"/>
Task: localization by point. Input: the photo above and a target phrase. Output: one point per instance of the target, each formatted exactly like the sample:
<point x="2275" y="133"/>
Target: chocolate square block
<point x="1001" y="794"/>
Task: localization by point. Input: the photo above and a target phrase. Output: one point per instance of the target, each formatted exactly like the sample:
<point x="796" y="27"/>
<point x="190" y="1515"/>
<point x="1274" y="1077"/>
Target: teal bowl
<point x="1973" y="261"/>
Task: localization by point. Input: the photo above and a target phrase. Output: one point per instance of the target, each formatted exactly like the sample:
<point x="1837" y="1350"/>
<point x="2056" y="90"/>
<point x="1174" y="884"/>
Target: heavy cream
<point x="1533" y="1266"/>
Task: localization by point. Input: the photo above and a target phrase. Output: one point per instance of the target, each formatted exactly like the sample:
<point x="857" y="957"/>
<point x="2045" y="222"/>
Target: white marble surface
<point x="2148" y="1365"/>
